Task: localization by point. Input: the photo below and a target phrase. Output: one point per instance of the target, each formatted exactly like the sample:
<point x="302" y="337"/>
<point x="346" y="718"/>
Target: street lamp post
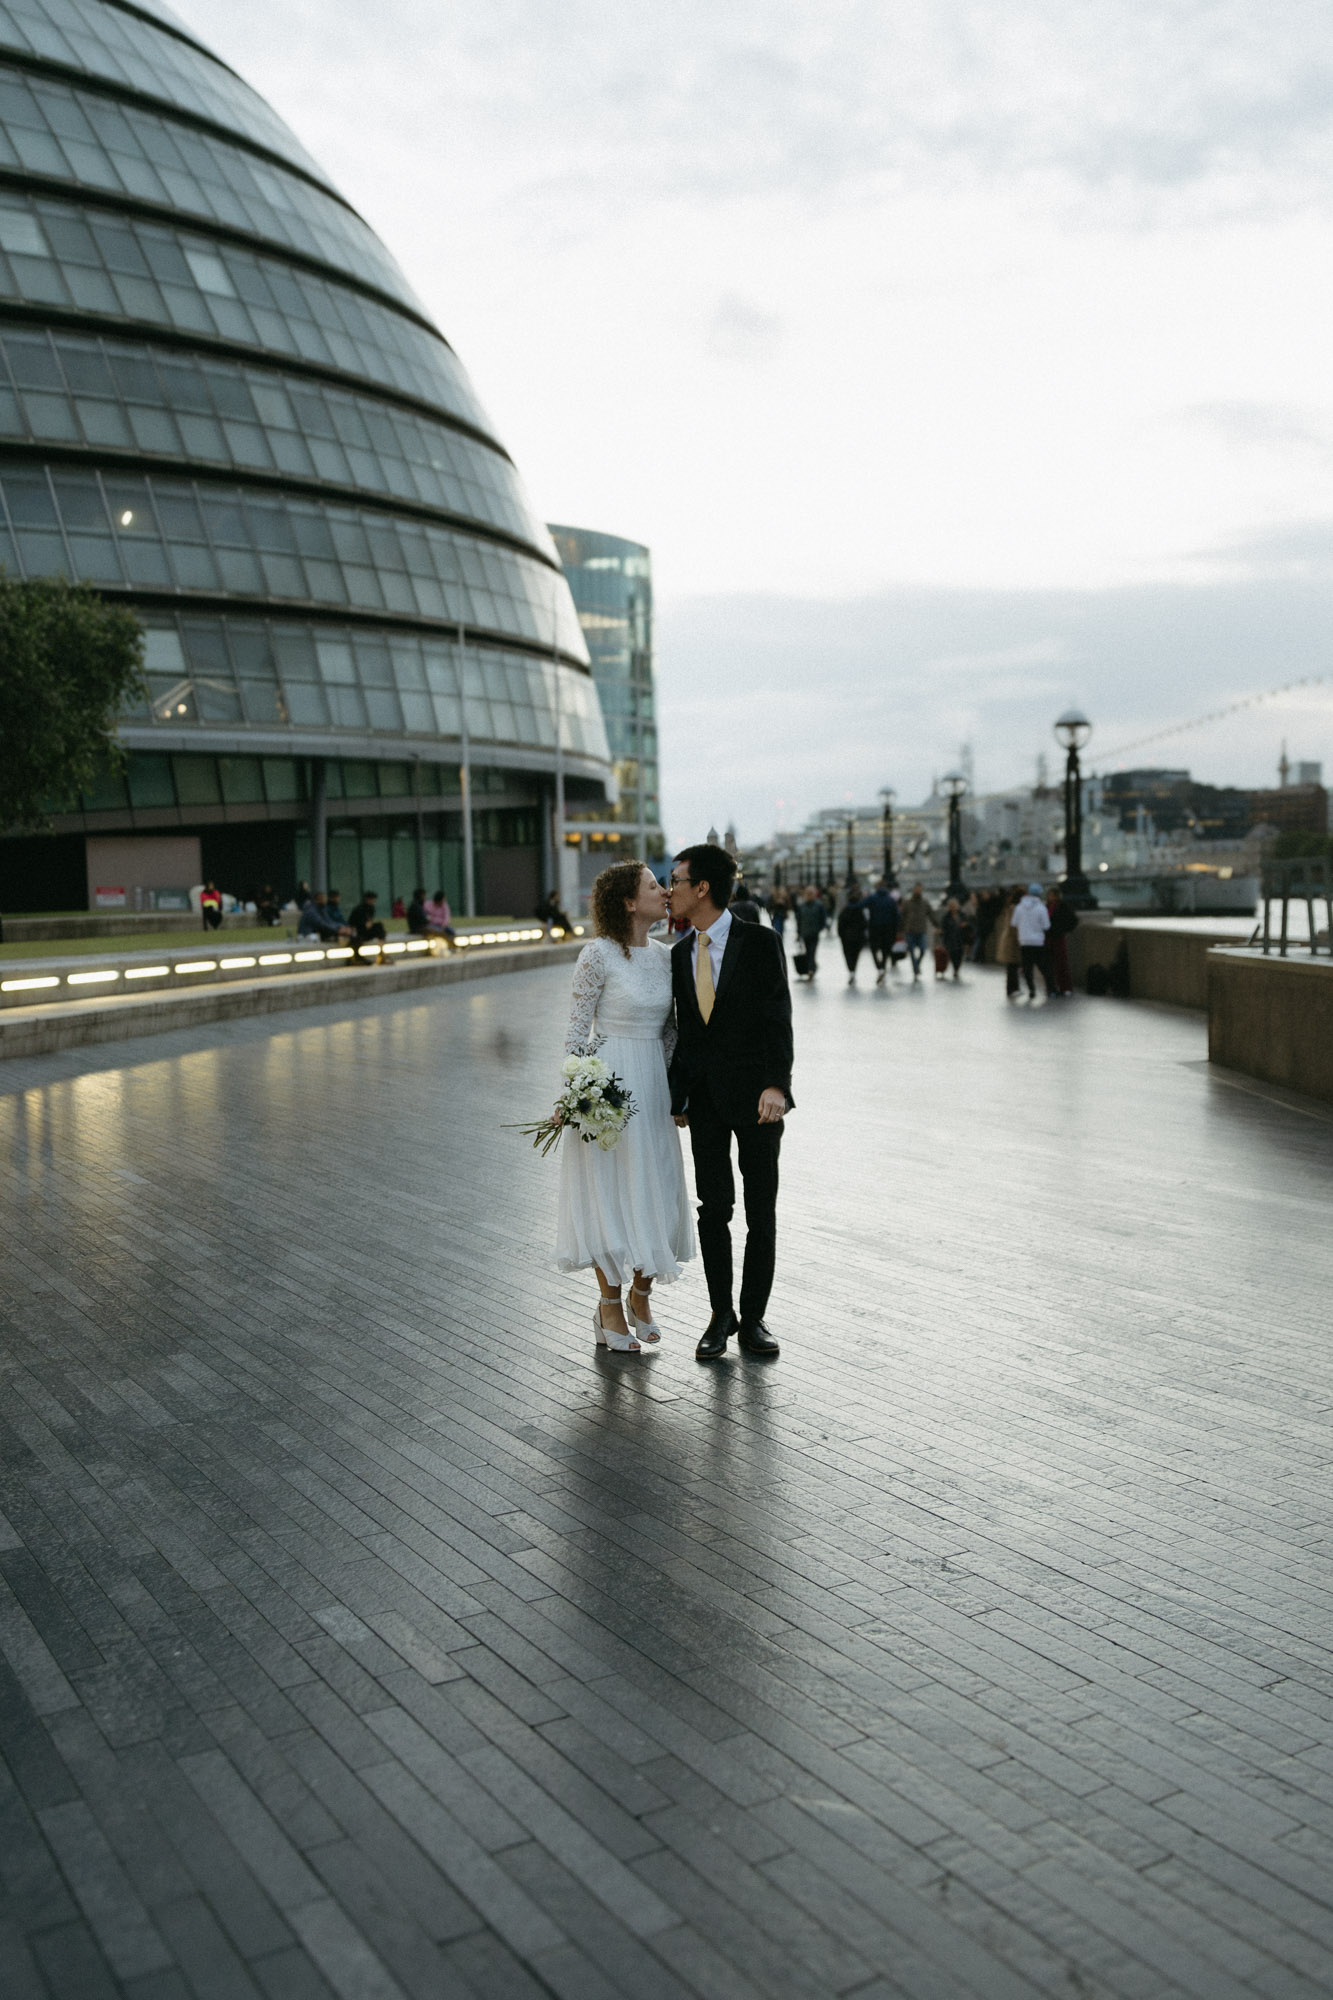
<point x="1071" y="732"/>
<point x="955" y="785"/>
<point x="887" y="794"/>
<point x="851" y="850"/>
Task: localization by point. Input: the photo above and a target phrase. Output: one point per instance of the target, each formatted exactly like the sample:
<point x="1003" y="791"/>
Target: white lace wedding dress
<point x="626" y="1210"/>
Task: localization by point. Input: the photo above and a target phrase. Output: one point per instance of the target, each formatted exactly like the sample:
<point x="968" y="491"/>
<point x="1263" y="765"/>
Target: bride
<point x="626" y="1212"/>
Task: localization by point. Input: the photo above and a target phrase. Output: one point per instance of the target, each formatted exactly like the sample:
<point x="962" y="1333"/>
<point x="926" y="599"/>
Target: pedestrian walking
<point x="1006" y="942"/>
<point x="881" y="927"/>
<point x="953" y="934"/>
<point x="779" y="909"/>
<point x="853" y="930"/>
<point x="811" y="919"/>
<point x="1032" y="920"/>
<point x="1064" y="921"/>
<point x="917" y="920"/>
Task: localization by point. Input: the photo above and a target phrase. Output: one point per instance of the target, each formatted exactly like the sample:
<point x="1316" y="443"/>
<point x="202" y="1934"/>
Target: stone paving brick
<point x="364" y="1635"/>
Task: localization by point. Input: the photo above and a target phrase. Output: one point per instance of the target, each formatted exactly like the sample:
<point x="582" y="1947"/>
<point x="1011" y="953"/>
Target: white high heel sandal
<point x="647" y="1329"/>
<point x="623" y="1343"/>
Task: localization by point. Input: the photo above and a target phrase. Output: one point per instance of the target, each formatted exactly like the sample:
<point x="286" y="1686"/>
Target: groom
<point x="731" y="1075"/>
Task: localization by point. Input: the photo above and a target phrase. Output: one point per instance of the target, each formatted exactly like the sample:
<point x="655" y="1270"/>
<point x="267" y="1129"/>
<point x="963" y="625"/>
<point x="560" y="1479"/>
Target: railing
<point x="1307" y="879"/>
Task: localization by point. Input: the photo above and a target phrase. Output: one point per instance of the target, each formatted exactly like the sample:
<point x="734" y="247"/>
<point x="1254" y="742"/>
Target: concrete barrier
<point x="1166" y="965"/>
<point x="1272" y="1018"/>
<point x="34" y="1031"/>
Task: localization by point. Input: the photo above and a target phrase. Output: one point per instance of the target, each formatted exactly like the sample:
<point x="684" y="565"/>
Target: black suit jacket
<point x="745" y="1047"/>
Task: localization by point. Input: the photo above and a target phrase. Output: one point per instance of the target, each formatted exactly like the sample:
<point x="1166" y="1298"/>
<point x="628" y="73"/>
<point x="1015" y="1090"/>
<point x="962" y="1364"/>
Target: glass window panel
<point x="29" y="498"/>
<point x="240" y="571"/>
<point x="217" y="701"/>
<point x="153" y="429"/>
<point x="359" y="780"/>
<point x="104" y="424"/>
<point x="242" y="781"/>
<point x="251" y="650"/>
<point x="440" y="675"/>
<point x="408" y="671"/>
<point x="373" y="666"/>
<point x="32" y="361"/>
<point x="196" y="781"/>
<point x="80" y="502"/>
<point x="448" y="714"/>
<point x="418" y="714"/>
<point x="306" y="704"/>
<point x="194" y="567"/>
<point x="336" y="663"/>
<point x="163" y="652"/>
<point x="395" y="781"/>
<point x="295" y="654"/>
<point x="150" y="779"/>
<point x="382" y="708"/>
<point x="282" y="780"/>
<point x="20" y="233"/>
<point x="263" y="702"/>
<point x="349" y="708"/>
<point x="210" y="273"/>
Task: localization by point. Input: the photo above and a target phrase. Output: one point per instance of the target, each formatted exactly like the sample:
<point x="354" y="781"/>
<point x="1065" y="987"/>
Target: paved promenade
<point x="365" y="1634"/>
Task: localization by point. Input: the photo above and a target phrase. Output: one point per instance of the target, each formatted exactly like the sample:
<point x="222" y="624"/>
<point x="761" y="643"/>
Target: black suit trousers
<point x="757" y="1146"/>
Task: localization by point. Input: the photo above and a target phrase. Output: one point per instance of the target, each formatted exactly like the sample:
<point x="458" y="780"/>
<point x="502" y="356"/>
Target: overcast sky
<point x="955" y="361"/>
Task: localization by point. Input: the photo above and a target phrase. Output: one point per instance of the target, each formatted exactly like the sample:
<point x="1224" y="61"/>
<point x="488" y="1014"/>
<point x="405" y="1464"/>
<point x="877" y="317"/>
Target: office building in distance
<point x="221" y="403"/>
<point x="612" y="583"/>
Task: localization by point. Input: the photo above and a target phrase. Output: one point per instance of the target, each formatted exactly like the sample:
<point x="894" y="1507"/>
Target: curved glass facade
<point x="220" y="401"/>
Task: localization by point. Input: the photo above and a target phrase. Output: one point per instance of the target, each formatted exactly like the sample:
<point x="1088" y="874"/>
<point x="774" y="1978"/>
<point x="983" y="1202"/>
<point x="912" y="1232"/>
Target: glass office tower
<point x="612" y="583"/>
<point x="221" y="402"/>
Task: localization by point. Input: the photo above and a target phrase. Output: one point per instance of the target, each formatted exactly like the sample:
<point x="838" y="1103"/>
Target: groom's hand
<point x="772" y="1106"/>
<point x="680" y="1117"/>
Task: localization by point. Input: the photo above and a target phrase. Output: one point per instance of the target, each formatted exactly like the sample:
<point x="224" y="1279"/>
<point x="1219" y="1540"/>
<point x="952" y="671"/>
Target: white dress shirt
<point x="717" y="944"/>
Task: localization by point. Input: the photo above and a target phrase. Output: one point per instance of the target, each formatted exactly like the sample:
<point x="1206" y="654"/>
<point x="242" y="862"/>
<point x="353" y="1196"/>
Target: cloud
<point x="1275" y="426"/>
<point x="604" y="105"/>
<point x="741" y="331"/>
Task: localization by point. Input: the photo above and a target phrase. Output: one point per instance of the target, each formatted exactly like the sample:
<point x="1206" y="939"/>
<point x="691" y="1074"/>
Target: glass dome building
<point x="221" y="402"/>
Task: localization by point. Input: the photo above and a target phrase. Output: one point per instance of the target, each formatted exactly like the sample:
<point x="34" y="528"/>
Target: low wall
<point x="1166" y="965"/>
<point x="36" y="1031"/>
<point x="1272" y="1018"/>
<point x="112" y="924"/>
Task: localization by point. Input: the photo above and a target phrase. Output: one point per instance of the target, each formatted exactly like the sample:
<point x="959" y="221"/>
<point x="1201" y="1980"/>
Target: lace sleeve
<point x="669" y="1036"/>
<point x="589" y="979"/>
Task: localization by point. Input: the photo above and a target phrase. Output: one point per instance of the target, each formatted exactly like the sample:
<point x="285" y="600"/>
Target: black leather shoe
<point x="713" y="1343"/>
<point x="755" y="1338"/>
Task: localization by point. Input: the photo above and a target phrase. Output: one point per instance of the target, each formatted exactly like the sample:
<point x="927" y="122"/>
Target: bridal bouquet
<point x="594" y="1103"/>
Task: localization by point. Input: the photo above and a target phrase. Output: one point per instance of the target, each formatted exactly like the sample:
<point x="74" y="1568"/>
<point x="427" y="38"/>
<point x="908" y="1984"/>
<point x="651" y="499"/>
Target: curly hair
<point x="614" y="888"/>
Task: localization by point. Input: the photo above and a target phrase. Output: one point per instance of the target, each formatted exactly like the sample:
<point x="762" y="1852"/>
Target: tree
<point x="68" y="664"/>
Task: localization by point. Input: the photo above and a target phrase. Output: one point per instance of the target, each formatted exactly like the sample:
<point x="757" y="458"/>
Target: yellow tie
<point x="703" y="977"/>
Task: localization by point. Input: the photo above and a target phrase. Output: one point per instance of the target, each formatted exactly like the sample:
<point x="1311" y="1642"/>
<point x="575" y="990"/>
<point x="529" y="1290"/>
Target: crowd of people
<point x="1024" y="930"/>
